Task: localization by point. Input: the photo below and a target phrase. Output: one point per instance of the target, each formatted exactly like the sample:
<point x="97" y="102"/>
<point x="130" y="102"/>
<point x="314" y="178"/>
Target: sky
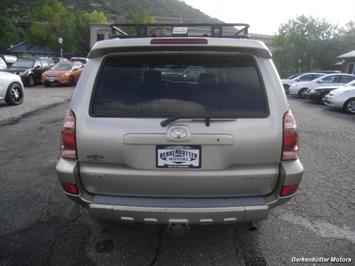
<point x="265" y="16"/>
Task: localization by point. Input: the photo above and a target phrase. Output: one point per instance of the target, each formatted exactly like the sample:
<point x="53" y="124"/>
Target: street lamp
<point x="60" y="41"/>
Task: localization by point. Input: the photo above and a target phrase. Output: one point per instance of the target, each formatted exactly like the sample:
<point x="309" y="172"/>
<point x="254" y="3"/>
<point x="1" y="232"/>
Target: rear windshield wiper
<point x="169" y="120"/>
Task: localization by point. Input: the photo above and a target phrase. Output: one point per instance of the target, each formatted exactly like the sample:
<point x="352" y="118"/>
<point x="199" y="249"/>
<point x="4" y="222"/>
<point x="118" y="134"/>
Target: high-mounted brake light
<point x="290" y="147"/>
<point x="68" y="136"/>
<point x="179" y="41"/>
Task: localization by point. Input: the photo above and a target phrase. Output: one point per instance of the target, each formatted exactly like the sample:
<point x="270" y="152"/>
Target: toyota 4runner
<point x="180" y="129"/>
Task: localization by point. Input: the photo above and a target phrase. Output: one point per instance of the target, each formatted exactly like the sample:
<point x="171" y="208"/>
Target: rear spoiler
<point x="256" y="51"/>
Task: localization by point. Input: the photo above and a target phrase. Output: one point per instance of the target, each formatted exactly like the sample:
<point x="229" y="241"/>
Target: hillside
<point x="118" y="10"/>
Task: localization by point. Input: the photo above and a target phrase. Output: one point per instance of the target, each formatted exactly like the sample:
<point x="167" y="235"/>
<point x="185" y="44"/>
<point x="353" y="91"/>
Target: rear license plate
<point x="178" y="156"/>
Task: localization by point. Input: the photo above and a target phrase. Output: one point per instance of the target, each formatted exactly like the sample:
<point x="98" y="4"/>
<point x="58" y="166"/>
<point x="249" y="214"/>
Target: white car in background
<point x="343" y="98"/>
<point x="3" y="65"/>
<point x="11" y="88"/>
<point x="6" y="61"/>
<point x="299" y="78"/>
<point x="300" y="88"/>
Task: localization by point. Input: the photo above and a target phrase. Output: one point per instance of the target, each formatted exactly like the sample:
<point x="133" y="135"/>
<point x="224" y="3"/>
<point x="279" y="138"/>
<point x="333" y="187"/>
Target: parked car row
<point x="17" y="72"/>
<point x="30" y="69"/>
<point x="335" y="90"/>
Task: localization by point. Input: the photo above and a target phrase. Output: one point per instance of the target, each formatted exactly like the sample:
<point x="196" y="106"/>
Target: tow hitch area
<point x="178" y="229"/>
<point x="252" y="226"/>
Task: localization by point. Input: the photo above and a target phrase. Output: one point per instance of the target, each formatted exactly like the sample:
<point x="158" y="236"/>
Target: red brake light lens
<point x="288" y="190"/>
<point x="290" y="147"/>
<point x="68" y="135"/>
<point x="179" y="41"/>
<point x="70" y="188"/>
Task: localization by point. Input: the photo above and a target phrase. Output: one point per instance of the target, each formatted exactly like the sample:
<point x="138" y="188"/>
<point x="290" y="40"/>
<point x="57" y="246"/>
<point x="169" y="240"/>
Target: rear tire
<point x="30" y="81"/>
<point x="349" y="106"/>
<point x="14" y="94"/>
<point x="322" y="98"/>
<point x="71" y="81"/>
<point x="287" y="88"/>
<point x="47" y="84"/>
<point x="302" y="92"/>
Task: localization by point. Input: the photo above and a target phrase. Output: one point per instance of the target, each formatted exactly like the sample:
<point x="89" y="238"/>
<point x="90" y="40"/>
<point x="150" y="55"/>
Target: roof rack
<point x="218" y="30"/>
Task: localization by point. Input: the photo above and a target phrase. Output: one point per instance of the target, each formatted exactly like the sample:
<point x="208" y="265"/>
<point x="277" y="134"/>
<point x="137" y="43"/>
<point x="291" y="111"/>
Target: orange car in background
<point x="67" y="73"/>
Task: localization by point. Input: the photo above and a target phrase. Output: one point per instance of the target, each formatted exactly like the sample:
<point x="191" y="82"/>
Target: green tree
<point x="141" y="17"/>
<point x="50" y="19"/>
<point x="8" y="33"/>
<point x="347" y="37"/>
<point x="305" y="43"/>
<point x="83" y="28"/>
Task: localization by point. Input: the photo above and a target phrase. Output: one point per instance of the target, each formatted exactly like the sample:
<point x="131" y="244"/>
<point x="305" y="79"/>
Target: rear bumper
<point x="184" y="210"/>
<point x="59" y="80"/>
<point x="180" y="210"/>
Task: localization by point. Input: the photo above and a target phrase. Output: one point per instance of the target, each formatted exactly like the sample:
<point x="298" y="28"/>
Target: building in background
<point x="22" y="49"/>
<point x="348" y="62"/>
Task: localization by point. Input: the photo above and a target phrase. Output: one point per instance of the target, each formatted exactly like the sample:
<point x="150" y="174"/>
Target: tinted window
<point x="61" y="66"/>
<point x="24" y="63"/>
<point x="315" y="76"/>
<point x="293" y="76"/>
<point x="307" y="77"/>
<point x="159" y="87"/>
<point x="329" y="79"/>
<point x="345" y="79"/>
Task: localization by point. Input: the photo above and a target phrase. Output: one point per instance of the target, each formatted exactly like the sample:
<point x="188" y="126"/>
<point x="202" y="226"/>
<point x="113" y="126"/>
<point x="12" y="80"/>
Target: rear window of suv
<point x="179" y="85"/>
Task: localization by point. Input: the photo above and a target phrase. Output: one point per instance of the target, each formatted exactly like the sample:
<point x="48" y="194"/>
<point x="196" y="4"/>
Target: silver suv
<point x="141" y="142"/>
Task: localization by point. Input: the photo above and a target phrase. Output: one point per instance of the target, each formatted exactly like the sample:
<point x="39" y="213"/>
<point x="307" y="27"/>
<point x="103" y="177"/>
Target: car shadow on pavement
<point x="139" y="244"/>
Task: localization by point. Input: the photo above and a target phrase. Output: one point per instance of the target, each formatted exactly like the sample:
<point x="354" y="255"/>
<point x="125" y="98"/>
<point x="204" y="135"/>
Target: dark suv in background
<point x="30" y="69"/>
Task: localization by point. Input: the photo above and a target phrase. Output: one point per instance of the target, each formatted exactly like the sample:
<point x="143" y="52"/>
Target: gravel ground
<point x="36" y="98"/>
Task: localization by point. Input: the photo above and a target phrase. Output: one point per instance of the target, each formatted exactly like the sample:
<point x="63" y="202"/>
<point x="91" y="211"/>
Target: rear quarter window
<point x="179" y="85"/>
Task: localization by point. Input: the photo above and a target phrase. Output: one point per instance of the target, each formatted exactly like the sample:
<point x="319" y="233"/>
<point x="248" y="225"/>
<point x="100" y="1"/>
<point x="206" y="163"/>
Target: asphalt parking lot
<point x="36" y="98"/>
<point x="40" y="226"/>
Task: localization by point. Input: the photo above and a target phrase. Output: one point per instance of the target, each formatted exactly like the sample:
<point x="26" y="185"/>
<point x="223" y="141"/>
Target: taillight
<point x="290" y="146"/>
<point x="288" y="190"/>
<point x="70" y="188"/>
<point x="68" y="135"/>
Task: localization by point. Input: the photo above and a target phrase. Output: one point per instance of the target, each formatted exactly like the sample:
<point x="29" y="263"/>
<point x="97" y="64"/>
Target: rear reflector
<point x="68" y="134"/>
<point x="290" y="147"/>
<point x="179" y="41"/>
<point x="288" y="190"/>
<point x="70" y="188"/>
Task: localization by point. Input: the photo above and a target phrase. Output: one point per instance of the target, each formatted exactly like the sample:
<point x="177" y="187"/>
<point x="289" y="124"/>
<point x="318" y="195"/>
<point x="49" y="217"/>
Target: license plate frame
<point x="189" y="156"/>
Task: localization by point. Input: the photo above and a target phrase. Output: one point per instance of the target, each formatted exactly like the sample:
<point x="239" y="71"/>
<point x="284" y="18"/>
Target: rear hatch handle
<point x="171" y="119"/>
<point x="207" y="120"/>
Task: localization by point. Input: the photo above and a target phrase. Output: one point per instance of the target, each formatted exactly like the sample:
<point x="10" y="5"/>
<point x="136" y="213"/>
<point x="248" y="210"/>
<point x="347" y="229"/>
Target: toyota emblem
<point x="178" y="133"/>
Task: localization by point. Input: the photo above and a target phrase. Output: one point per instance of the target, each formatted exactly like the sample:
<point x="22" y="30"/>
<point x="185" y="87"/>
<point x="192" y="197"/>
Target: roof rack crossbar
<point x="211" y="29"/>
